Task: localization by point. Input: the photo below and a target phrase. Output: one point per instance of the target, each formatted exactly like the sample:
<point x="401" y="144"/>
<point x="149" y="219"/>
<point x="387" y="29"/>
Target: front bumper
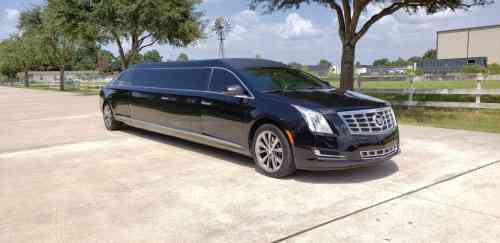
<point x="336" y="153"/>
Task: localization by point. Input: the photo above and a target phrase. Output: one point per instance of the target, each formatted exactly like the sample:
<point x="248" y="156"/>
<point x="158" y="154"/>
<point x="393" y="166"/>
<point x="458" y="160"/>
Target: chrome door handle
<point x="206" y="103"/>
<point x="168" y="98"/>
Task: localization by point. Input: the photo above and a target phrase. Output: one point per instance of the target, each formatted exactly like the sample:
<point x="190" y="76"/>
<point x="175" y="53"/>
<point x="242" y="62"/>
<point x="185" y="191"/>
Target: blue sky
<point x="305" y="35"/>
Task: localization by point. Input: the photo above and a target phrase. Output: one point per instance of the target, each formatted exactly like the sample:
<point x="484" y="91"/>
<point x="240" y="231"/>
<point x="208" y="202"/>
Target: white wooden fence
<point x="478" y="92"/>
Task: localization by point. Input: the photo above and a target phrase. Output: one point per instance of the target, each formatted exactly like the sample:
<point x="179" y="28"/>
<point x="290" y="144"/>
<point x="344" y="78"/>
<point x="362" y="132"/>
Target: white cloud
<point x="296" y="26"/>
<point x="310" y="34"/>
<point x="11" y="14"/>
<point x="8" y="21"/>
<point x="291" y="38"/>
<point x="245" y="18"/>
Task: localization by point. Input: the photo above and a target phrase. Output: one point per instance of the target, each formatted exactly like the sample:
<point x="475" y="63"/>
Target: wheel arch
<point x="262" y="121"/>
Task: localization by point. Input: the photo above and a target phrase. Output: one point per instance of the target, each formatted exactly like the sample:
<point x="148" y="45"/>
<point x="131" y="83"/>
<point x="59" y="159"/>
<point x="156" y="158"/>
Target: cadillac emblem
<point x="379" y="120"/>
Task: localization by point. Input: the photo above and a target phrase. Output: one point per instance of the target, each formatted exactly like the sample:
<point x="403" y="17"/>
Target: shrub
<point x="474" y="68"/>
<point x="494" y="68"/>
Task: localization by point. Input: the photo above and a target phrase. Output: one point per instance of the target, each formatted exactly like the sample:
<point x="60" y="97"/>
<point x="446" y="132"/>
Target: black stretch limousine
<point x="284" y="118"/>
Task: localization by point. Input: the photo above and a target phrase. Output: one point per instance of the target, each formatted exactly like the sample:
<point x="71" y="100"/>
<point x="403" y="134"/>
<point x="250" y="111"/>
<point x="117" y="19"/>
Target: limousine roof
<point x="231" y="63"/>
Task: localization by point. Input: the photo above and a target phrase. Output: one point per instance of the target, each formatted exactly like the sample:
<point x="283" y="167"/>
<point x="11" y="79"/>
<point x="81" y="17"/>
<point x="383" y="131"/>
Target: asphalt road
<point x="64" y="178"/>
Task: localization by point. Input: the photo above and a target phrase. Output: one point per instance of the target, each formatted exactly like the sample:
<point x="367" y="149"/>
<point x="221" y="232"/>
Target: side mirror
<point x="234" y="90"/>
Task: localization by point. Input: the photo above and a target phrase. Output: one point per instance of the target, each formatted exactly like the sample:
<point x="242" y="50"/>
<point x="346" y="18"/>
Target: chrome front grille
<point x="367" y="122"/>
<point x="379" y="153"/>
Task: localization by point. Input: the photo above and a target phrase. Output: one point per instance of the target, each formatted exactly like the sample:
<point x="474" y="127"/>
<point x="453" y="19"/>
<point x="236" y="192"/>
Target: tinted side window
<point x="125" y="78"/>
<point x="222" y="79"/>
<point x="191" y="79"/>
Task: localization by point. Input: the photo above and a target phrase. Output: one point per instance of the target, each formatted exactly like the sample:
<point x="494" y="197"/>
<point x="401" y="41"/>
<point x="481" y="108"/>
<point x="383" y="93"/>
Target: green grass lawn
<point x="466" y="119"/>
<point x="467" y="84"/>
<point x="438" y="97"/>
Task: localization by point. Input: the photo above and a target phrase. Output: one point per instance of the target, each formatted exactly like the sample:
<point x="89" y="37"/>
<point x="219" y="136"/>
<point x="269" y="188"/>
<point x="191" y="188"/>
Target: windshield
<point x="282" y="79"/>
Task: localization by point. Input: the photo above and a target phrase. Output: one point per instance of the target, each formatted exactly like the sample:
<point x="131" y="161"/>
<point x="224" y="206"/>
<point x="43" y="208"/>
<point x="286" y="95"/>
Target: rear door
<point x="181" y="95"/>
<point x="224" y="116"/>
<point x="170" y="97"/>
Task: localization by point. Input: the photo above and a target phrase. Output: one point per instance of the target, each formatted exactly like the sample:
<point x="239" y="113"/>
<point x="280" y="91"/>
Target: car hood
<point x="331" y="100"/>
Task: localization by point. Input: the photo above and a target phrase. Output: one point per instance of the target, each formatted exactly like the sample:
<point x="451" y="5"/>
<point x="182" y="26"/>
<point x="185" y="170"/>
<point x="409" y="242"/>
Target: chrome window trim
<point x="252" y="96"/>
<point x="188" y="90"/>
<point x="238" y="78"/>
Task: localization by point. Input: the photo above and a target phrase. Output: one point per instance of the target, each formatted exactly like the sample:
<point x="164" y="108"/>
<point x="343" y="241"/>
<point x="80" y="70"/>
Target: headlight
<point x="315" y="120"/>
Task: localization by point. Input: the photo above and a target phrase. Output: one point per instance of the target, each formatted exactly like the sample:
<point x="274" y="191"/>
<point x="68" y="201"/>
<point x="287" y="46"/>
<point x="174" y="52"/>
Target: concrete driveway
<point x="64" y="178"/>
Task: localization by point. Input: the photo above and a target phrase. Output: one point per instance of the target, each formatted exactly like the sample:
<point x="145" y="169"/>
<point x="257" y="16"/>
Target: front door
<point x="223" y="116"/>
<point x="120" y="96"/>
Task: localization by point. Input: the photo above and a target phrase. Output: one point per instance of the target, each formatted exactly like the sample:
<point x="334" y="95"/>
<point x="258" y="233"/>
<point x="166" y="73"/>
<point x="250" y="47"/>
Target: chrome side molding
<point x="192" y="136"/>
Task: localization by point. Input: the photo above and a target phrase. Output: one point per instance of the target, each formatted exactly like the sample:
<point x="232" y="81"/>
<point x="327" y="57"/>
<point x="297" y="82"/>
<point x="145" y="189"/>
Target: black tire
<point x="109" y="119"/>
<point x="286" y="166"/>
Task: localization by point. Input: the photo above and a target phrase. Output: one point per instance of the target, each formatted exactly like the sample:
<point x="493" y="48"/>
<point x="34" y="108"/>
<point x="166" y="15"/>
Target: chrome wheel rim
<point x="269" y="151"/>
<point x="108" y="116"/>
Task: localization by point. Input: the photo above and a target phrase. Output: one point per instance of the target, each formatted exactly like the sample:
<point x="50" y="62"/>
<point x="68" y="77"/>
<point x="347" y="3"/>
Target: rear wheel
<point x="272" y="152"/>
<point x="109" y="119"/>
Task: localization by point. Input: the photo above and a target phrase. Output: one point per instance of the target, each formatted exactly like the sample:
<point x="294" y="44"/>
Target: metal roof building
<point x="483" y="41"/>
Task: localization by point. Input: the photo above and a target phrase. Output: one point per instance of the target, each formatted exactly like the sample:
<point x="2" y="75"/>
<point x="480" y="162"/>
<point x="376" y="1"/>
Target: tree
<point x="21" y="54"/>
<point x="325" y="63"/>
<point x="59" y="39"/>
<point x="494" y="68"/>
<point x="8" y="67"/>
<point x="474" y="69"/>
<point x="381" y="62"/>
<point x="152" y="56"/>
<point x="430" y="54"/>
<point x="145" y="23"/>
<point x="349" y="13"/>
<point x="413" y="60"/>
<point x="84" y="59"/>
<point x="400" y="62"/>
<point x="183" y="57"/>
<point x="108" y="62"/>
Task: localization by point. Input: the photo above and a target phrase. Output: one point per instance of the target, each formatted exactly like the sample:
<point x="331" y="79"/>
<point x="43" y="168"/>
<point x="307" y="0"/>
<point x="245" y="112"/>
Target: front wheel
<point x="272" y="152"/>
<point x="109" y="119"/>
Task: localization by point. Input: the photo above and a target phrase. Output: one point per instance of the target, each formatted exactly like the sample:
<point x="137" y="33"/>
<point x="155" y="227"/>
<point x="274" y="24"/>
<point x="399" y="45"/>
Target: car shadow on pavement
<point x="192" y="146"/>
<point x="354" y="175"/>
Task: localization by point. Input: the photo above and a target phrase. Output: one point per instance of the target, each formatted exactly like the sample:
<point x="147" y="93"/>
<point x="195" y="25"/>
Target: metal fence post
<point x="412" y="91"/>
<point x="478" y="92"/>
<point x="359" y="82"/>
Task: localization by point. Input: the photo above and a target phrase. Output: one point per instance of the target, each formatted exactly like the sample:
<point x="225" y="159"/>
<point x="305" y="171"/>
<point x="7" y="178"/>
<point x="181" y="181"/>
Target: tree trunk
<point x="26" y="79"/>
<point x="347" y="67"/>
<point x="124" y="62"/>
<point x="61" y="78"/>
<point x="123" y="57"/>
